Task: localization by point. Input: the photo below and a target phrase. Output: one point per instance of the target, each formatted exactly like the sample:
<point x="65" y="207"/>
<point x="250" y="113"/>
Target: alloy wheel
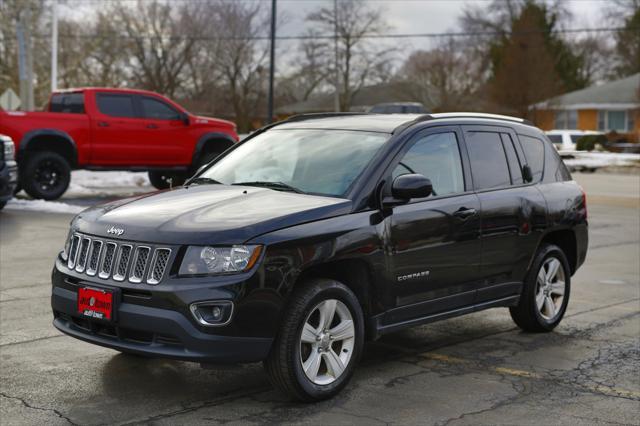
<point x="327" y="342"/>
<point x="550" y="288"/>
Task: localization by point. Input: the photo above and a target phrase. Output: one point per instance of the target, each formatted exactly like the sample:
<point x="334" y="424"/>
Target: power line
<point x="332" y="36"/>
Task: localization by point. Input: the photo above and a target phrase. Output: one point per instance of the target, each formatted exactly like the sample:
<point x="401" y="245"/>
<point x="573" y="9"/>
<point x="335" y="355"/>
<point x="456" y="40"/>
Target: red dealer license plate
<point x="95" y="303"/>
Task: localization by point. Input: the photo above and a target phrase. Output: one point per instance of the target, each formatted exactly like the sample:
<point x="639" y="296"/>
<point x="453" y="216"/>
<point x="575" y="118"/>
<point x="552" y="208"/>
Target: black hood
<point x="207" y="214"/>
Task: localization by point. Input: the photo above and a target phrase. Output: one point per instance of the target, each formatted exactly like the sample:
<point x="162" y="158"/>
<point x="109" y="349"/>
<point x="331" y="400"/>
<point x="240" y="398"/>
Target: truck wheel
<point x="319" y="343"/>
<point x="45" y="175"/>
<point x="2" y="204"/>
<point x="164" y="180"/>
<point x="546" y="291"/>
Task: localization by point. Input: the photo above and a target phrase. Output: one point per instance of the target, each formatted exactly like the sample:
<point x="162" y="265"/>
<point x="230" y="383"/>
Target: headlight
<point x="9" y="150"/>
<point x="211" y="260"/>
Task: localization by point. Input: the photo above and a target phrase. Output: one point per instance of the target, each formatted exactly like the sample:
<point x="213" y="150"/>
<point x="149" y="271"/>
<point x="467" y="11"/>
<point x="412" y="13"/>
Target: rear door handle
<point x="152" y="126"/>
<point x="464" y="213"/>
<point x="103" y="124"/>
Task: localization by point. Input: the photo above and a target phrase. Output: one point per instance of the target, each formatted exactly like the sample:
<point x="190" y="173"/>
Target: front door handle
<point x="464" y="213"/>
<point x="152" y="126"/>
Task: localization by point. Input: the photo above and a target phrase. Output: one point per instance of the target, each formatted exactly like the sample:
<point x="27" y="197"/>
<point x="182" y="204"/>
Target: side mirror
<point x="185" y="118"/>
<point x="406" y="187"/>
<point x="527" y="175"/>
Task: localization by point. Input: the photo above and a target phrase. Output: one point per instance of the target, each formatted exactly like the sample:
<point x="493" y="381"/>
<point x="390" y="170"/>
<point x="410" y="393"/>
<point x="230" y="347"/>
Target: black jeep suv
<point x="320" y="232"/>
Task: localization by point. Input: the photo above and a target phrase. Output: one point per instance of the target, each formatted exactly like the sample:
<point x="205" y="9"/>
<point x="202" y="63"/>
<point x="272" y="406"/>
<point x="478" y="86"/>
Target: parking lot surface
<point x="477" y="369"/>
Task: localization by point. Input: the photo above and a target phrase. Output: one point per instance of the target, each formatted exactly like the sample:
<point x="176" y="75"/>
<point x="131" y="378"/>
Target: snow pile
<point x="43" y="206"/>
<point x="85" y="182"/>
<point x="594" y="160"/>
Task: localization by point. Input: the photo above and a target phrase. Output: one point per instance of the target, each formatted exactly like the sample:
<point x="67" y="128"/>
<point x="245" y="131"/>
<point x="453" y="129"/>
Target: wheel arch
<point x="208" y="141"/>
<point x="353" y="273"/>
<point x="566" y="240"/>
<point x="53" y="140"/>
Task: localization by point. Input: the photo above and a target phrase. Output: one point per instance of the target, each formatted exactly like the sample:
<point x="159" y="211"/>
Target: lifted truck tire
<point x="45" y="175"/>
<point x="160" y="179"/>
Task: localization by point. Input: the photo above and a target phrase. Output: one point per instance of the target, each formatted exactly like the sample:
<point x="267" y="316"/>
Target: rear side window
<point x="488" y="160"/>
<point x="116" y="105"/>
<point x="515" y="168"/>
<point x="436" y="157"/>
<point x="72" y="103"/>
<point x="158" y="110"/>
<point x="555" y="139"/>
<point x="534" y="153"/>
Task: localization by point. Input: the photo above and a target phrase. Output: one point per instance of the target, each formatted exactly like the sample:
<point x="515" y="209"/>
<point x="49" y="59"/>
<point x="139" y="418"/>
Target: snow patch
<point x="43" y="206"/>
<point x="594" y="160"/>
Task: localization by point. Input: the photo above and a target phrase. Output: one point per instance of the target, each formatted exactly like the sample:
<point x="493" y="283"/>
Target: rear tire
<point x="546" y="291"/>
<point x="164" y="180"/>
<point x="45" y="175"/>
<point x="319" y="343"/>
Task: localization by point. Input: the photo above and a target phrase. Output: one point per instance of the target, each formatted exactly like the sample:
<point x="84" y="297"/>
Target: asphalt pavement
<point x="477" y="369"/>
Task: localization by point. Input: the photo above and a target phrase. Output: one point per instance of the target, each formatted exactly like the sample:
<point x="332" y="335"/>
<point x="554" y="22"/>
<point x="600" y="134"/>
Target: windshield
<point x="323" y="162"/>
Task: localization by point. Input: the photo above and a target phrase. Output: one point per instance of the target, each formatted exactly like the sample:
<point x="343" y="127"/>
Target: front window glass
<point x="436" y="157"/>
<point x="158" y="110"/>
<point x="323" y="162"/>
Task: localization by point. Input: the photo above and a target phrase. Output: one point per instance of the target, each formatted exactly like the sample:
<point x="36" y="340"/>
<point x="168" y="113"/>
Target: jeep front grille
<point x="117" y="260"/>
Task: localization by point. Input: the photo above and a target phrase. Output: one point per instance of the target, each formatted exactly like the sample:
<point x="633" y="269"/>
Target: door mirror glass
<point x="406" y="187"/>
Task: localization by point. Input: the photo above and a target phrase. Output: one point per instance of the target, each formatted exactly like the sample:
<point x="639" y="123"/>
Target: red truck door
<point x="166" y="133"/>
<point x="117" y="132"/>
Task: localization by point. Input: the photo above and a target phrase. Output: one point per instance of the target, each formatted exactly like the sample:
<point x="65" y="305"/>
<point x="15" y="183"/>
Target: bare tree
<point x="358" y="57"/>
<point x="158" y="46"/>
<point x="446" y="76"/>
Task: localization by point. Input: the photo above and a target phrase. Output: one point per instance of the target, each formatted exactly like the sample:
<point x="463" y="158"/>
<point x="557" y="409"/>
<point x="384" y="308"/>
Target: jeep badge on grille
<point x="115" y="231"/>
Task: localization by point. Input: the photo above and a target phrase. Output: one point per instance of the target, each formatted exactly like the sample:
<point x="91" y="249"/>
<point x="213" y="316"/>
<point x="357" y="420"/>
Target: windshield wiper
<point x="279" y="186"/>
<point x="203" y="181"/>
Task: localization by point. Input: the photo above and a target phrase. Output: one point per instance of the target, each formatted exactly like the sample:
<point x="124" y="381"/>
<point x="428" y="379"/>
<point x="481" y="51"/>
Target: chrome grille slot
<point x="139" y="264"/>
<point x="158" y="265"/>
<point x="116" y="260"/>
<point x="73" y="252"/>
<point x="107" y="260"/>
<point x="123" y="262"/>
<point x="94" y="257"/>
<point x="82" y="254"/>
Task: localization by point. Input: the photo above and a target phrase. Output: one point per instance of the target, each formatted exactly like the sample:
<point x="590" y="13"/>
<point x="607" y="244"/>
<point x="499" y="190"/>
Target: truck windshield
<point x="324" y="162"/>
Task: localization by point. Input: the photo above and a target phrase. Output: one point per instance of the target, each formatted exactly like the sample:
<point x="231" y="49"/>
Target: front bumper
<point x="151" y="331"/>
<point x="8" y="180"/>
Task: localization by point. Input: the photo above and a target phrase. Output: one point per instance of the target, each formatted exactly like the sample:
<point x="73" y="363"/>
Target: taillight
<point x="584" y="202"/>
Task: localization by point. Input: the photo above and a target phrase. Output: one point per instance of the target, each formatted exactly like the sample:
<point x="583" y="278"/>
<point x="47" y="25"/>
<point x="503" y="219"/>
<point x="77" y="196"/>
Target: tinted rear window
<point x="116" y="105"/>
<point x="488" y="160"/>
<point x="534" y="153"/>
<point x="72" y="103"/>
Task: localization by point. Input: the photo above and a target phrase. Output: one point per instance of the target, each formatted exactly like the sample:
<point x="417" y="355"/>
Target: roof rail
<point x="311" y="115"/>
<point x="474" y="115"/>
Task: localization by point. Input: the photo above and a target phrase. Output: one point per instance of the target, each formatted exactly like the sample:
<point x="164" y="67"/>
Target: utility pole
<point x="272" y="64"/>
<point x="54" y="46"/>
<point x="25" y="60"/>
<point x="336" y="77"/>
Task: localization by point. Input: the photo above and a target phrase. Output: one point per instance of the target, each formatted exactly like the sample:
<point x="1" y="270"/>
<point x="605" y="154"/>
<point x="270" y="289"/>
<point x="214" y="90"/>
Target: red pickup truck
<point x="111" y="129"/>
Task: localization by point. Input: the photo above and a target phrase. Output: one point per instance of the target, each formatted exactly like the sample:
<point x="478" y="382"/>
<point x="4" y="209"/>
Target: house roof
<point x="364" y="98"/>
<point x="623" y="93"/>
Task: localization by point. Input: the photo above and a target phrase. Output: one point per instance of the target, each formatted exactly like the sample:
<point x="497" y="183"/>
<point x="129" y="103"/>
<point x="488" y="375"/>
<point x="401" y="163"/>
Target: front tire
<point x="319" y="343"/>
<point x="545" y="295"/>
<point x="164" y="180"/>
<point x="45" y="175"/>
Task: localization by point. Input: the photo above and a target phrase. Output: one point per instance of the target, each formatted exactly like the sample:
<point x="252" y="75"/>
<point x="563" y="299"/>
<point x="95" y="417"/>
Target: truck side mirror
<point x="185" y="118"/>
